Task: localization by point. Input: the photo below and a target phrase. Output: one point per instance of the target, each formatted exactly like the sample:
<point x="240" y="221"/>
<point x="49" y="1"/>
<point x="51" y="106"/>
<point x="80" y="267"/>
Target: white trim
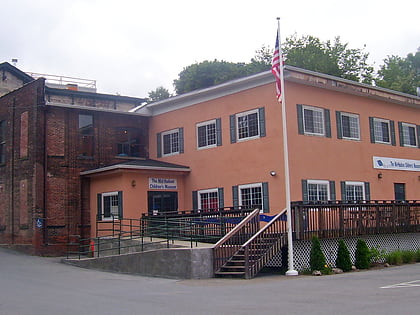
<point x="314" y="109"/>
<point x="135" y="167"/>
<point x="358" y="125"/>
<point x="113" y="216"/>
<point x="355" y="183"/>
<point x="407" y="125"/>
<point x="206" y="191"/>
<point x="254" y="185"/>
<point x="242" y="114"/>
<point x="206" y="123"/>
<point x="381" y="120"/>
<point x="319" y="182"/>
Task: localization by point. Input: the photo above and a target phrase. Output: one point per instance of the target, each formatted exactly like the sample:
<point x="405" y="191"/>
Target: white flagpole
<point x="291" y="271"/>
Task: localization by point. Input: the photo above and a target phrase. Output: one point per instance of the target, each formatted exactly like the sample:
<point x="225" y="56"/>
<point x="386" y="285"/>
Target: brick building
<point x="48" y="135"/>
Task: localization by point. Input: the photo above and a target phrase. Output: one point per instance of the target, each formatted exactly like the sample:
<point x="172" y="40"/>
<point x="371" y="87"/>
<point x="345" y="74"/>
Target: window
<point x="209" y="134"/>
<point x="208" y="199"/>
<point x="348" y="126"/>
<point x="382" y="131"/>
<point x="313" y="121"/>
<point x="318" y="190"/>
<point x="86" y="134"/>
<point x="129" y="142"/>
<point x="2" y="142"/>
<point x="110" y="206"/>
<point x="170" y="142"/>
<point x="247" y="125"/>
<point x="409" y="134"/>
<point x="251" y="195"/>
<point x="355" y="191"/>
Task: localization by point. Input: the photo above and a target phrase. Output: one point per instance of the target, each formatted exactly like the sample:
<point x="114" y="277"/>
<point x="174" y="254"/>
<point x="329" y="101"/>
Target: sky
<point x="131" y="47"/>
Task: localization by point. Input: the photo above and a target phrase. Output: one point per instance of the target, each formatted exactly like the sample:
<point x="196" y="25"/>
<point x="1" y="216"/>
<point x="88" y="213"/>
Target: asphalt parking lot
<point x="39" y="285"/>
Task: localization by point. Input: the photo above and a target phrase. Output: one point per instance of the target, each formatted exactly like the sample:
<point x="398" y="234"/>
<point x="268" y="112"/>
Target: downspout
<point x="44" y="199"/>
<point x="12" y="172"/>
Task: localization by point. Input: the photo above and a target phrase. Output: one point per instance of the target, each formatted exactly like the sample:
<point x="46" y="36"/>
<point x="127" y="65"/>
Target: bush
<point x="362" y="255"/>
<point x="394" y="258"/>
<point x="418" y="255"/>
<point x="408" y="256"/>
<point x="377" y="255"/>
<point x="343" y="260"/>
<point x="317" y="258"/>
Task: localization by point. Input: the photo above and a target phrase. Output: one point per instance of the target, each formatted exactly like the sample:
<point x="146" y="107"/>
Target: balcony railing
<point x="340" y="219"/>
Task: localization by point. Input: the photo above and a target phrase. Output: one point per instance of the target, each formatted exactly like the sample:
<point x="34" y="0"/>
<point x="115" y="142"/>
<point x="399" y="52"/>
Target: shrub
<point x="362" y="255"/>
<point x="394" y="258"/>
<point x="408" y="256"/>
<point x="418" y="255"/>
<point x="377" y="255"/>
<point x="343" y="260"/>
<point x="317" y="258"/>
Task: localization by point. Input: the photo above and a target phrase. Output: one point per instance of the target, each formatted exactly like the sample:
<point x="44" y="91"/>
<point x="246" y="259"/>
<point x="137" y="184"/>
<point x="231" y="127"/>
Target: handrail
<point x="225" y="238"/>
<point x="261" y="231"/>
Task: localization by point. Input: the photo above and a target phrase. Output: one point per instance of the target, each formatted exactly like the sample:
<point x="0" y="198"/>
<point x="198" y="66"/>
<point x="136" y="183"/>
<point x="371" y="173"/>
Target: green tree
<point x="400" y="74"/>
<point x="362" y="255"/>
<point x="317" y="258"/>
<point x="160" y="93"/>
<point x="334" y="58"/>
<point x="343" y="260"/>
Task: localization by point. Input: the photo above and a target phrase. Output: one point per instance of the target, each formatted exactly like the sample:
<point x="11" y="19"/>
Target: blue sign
<point x="39" y="223"/>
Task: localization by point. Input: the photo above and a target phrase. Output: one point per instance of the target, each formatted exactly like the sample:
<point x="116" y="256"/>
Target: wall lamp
<point x="273" y="173"/>
<point x="133" y="183"/>
<point x="379" y="175"/>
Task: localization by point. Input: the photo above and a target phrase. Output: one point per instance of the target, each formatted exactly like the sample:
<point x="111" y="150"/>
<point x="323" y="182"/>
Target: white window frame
<point x="170" y="132"/>
<point x="207" y="123"/>
<point x="114" y="211"/>
<point x="375" y="134"/>
<point x="322" y="124"/>
<point x="255" y="185"/>
<point x="243" y="114"/>
<point x="355" y="183"/>
<point x="405" y="133"/>
<point x="319" y="182"/>
<point x="355" y="116"/>
<point x="206" y="191"/>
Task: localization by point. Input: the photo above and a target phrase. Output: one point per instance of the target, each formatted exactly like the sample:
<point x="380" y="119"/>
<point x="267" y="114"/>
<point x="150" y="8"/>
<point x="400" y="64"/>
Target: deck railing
<point x="341" y="219"/>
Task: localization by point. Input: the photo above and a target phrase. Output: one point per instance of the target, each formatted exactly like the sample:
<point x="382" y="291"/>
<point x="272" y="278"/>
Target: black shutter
<point x="305" y="190"/>
<point x="235" y="196"/>
<point x="99" y="207"/>
<point x="221" y="197"/>
<point x="232" y="119"/>
<point x="300" y="118"/>
<point x="261" y="119"/>
<point x="339" y="125"/>
<point x="418" y="135"/>
<point x="343" y="191"/>
<point x="120" y="205"/>
<point x="266" y="199"/>
<point x="367" y="190"/>
<point x="219" y="131"/>
<point x="181" y="139"/>
<point x="332" y="190"/>
<point x="372" y="130"/>
<point x="195" y="200"/>
<point x="392" y="128"/>
<point x="327" y="123"/>
<point x="159" y="144"/>
<point x="401" y="133"/>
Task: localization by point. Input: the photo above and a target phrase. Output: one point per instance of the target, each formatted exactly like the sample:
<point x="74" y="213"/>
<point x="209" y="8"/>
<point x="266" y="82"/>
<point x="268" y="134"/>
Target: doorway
<point x="399" y="191"/>
<point x="162" y="201"/>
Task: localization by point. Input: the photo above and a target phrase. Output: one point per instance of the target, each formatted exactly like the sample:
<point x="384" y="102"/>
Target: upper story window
<point x="170" y="142"/>
<point x="209" y="134"/>
<point x="313" y="121"/>
<point x="318" y="190"/>
<point x="409" y="134"/>
<point x="355" y="191"/>
<point x="86" y="135"/>
<point x="2" y="141"/>
<point x="129" y="142"/>
<point x="247" y="125"/>
<point x="348" y="126"/>
<point x="382" y="131"/>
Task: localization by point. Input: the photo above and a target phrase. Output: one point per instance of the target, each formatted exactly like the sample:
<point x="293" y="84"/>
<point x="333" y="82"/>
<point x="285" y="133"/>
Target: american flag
<point x="277" y="68"/>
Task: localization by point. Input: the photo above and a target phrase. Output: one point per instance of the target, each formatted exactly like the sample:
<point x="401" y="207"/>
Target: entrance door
<point x="162" y="201"/>
<point x="399" y="190"/>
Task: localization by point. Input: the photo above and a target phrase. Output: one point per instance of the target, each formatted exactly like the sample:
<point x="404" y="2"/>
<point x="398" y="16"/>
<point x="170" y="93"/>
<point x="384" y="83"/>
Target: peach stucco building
<point x="222" y="147"/>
